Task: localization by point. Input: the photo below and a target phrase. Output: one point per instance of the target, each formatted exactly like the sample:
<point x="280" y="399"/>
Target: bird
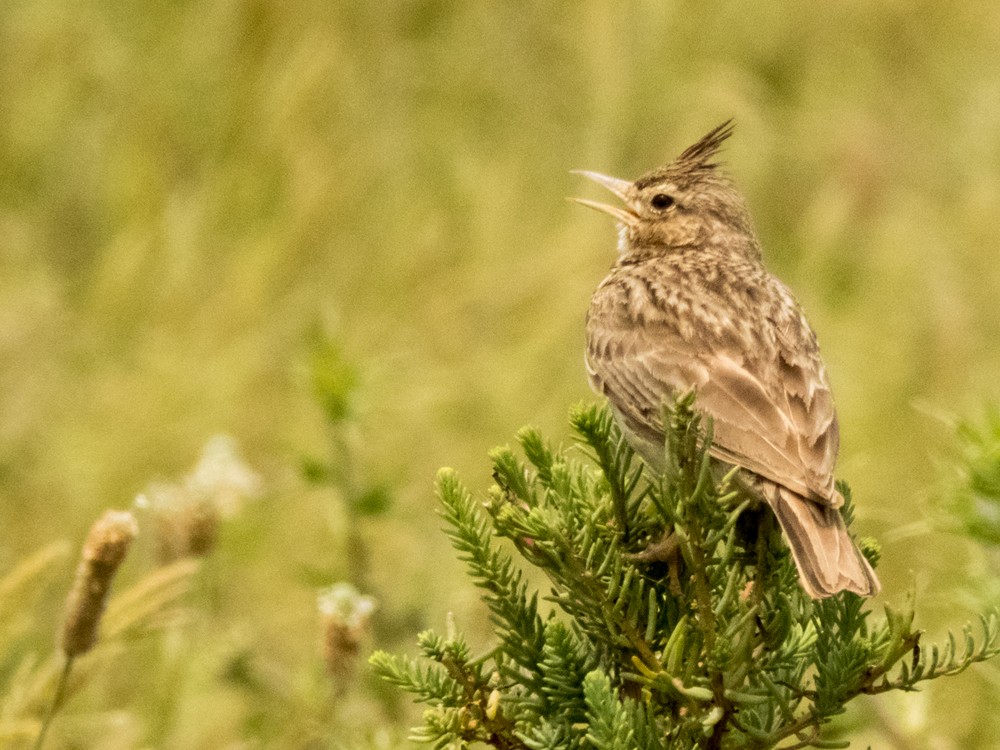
<point x="688" y="305"/>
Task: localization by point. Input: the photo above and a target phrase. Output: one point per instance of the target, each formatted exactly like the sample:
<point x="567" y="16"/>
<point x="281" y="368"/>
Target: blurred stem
<point x="56" y="701"/>
<point x="342" y="463"/>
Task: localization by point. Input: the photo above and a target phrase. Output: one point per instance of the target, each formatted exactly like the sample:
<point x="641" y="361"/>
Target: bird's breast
<point x="671" y="297"/>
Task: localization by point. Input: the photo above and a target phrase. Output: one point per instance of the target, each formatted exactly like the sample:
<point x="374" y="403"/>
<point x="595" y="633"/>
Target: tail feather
<point x="827" y="559"/>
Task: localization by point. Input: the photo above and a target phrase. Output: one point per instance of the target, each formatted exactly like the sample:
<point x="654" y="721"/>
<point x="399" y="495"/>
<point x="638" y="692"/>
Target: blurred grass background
<point x="190" y="191"/>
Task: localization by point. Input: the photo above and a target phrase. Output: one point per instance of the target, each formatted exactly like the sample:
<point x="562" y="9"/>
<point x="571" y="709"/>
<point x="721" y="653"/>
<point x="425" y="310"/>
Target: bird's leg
<point x="764" y="531"/>
<point x="666" y="549"/>
<point x="756" y="586"/>
<point x="755" y="527"/>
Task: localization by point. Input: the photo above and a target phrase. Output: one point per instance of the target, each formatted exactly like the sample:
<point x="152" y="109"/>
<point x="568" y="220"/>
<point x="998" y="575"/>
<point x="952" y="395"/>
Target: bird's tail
<point x="825" y="555"/>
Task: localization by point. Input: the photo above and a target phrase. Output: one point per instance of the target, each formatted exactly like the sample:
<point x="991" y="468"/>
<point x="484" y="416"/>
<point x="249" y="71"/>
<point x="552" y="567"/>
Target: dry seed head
<point x="344" y="615"/>
<point x="222" y="474"/>
<point x="185" y="524"/>
<point x="187" y="514"/>
<point x="103" y="552"/>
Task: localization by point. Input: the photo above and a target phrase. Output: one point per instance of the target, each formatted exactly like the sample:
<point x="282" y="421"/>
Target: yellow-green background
<point x="190" y="190"/>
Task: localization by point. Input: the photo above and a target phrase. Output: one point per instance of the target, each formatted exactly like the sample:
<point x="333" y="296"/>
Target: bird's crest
<point x="700" y="154"/>
<point x="697" y="160"/>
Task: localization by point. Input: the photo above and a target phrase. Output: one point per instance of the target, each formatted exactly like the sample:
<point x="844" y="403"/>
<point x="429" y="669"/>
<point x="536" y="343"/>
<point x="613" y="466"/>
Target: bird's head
<point x="690" y="202"/>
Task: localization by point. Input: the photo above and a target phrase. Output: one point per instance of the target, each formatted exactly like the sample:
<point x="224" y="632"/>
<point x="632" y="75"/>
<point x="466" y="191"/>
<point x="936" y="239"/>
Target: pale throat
<point x="623" y="246"/>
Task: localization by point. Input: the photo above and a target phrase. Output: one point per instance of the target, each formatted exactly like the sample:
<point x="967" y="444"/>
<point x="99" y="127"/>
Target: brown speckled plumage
<point x="689" y="304"/>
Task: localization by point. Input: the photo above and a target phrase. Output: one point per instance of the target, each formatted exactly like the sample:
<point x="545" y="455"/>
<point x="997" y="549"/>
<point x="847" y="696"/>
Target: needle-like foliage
<point x="679" y="621"/>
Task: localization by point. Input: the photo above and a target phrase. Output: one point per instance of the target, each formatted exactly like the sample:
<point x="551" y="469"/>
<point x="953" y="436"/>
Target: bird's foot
<point x="666" y="549"/>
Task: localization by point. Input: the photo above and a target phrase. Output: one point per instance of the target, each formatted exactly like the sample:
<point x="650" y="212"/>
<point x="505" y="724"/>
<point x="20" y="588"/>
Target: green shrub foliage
<point x="674" y="618"/>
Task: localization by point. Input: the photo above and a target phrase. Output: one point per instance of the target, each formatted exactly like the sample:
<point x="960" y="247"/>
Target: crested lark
<point x="689" y="305"/>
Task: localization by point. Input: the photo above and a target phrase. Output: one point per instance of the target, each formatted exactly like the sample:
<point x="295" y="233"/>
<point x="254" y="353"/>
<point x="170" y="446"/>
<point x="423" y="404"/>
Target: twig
<point x="56" y="701"/>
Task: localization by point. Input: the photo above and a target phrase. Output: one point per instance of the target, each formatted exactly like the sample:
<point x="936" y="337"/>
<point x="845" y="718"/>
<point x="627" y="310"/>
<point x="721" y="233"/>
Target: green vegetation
<point x="200" y="200"/>
<point x="713" y="646"/>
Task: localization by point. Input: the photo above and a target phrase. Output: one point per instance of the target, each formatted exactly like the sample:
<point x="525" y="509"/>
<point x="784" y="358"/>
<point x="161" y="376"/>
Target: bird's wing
<point x="774" y="418"/>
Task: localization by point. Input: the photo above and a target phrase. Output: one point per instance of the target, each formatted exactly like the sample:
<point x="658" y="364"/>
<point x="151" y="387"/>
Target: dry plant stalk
<point x="103" y="552"/>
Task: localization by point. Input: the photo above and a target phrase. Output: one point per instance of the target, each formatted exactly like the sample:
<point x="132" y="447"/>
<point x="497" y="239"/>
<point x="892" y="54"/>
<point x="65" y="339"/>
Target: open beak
<point x="616" y="186"/>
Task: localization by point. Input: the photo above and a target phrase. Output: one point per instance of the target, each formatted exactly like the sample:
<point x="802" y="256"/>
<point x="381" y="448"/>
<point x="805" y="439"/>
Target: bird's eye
<point x="661" y="201"/>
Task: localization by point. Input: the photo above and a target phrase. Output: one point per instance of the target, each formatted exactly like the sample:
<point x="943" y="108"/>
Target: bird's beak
<point x="616" y="186"/>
